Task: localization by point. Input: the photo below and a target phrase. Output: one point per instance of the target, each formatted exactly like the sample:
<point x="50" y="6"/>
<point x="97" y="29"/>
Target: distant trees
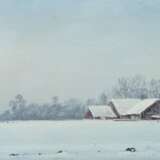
<point x="18" y="107"/>
<point x="20" y="110"/>
<point x="91" y="101"/>
<point x="154" y="88"/>
<point x="136" y="87"/>
<point x="102" y="99"/>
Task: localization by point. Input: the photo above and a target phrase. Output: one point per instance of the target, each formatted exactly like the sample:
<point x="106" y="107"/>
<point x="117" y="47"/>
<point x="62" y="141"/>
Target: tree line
<point x="132" y="87"/>
<point x="19" y="109"/>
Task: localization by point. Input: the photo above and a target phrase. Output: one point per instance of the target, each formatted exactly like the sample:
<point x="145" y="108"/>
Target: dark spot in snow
<point x="60" y="151"/>
<point x="39" y="154"/>
<point x="131" y="149"/>
<point x="14" y="154"/>
<point x="98" y="151"/>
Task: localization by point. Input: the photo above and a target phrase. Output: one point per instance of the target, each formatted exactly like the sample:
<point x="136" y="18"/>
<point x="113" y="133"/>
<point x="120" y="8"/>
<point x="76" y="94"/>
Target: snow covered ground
<point x="79" y="140"/>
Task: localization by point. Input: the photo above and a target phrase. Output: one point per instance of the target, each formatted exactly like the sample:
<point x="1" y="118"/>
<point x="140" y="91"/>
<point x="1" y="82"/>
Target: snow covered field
<point x="79" y="140"/>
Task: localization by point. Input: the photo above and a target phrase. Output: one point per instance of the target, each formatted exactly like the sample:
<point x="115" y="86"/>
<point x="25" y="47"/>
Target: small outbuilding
<point x="100" y="112"/>
<point x="146" y="109"/>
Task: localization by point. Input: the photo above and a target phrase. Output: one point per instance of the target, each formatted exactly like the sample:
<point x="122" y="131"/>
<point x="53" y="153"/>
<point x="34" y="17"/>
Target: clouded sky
<point x="75" y="48"/>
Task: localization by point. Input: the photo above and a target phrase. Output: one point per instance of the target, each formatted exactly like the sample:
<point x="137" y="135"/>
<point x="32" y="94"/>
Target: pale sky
<point x="75" y="48"/>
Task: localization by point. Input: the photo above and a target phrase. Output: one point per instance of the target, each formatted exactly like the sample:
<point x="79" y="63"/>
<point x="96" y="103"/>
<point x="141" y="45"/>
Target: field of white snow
<point x="79" y="140"/>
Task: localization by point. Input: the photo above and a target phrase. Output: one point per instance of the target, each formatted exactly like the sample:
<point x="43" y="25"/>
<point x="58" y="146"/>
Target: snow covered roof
<point x="101" y="111"/>
<point x="142" y="106"/>
<point x="123" y="105"/>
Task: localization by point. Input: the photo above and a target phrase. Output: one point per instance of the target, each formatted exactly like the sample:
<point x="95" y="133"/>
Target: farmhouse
<point x="121" y="106"/>
<point x="146" y="109"/>
<point x="100" y="112"/>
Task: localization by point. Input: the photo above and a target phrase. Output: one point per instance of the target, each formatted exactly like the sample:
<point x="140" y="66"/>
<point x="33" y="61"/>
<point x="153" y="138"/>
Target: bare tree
<point x="154" y="88"/>
<point x="91" y="101"/>
<point x="134" y="87"/>
<point x="102" y="99"/>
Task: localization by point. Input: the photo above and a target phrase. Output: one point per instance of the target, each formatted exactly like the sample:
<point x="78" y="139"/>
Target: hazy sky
<point x="75" y="48"/>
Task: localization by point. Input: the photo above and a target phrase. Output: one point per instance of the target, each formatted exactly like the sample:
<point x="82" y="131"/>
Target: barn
<point x="121" y="106"/>
<point x="146" y="109"/>
<point x="100" y="112"/>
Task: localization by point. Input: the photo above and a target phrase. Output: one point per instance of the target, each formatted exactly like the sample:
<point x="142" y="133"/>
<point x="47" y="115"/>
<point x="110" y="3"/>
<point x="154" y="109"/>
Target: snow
<point x="80" y="140"/>
<point x="101" y="111"/>
<point x="123" y="105"/>
<point x="142" y="106"/>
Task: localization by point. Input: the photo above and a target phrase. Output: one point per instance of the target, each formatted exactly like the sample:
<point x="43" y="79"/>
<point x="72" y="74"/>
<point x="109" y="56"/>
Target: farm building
<point x="100" y="112"/>
<point x="146" y="109"/>
<point x="126" y="109"/>
<point x="121" y="106"/>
